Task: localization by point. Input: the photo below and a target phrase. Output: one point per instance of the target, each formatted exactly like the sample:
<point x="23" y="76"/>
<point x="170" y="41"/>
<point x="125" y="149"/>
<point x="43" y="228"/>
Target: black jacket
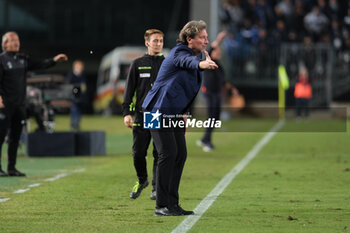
<point x="13" y="70"/>
<point x="143" y="72"/>
<point x="214" y="80"/>
<point x="79" y="86"/>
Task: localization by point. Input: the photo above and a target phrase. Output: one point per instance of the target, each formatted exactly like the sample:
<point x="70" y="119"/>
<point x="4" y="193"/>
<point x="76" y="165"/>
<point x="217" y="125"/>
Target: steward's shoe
<point x="181" y="211"/>
<point x="137" y="189"/>
<point x="2" y="173"/>
<point x="153" y="195"/>
<point x="208" y="147"/>
<point x="15" y="172"/>
<point x="166" y="212"/>
<point x="200" y="143"/>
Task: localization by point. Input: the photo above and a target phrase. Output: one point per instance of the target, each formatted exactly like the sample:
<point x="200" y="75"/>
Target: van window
<point x="105" y="75"/>
<point x="124" y="71"/>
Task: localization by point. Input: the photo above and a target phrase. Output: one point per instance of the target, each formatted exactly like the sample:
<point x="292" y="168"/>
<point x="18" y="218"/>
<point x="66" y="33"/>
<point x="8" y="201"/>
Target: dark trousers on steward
<point x="302" y="106"/>
<point x="213" y="102"/>
<point x="12" y="119"/>
<point x="141" y="141"/>
<point x="172" y="153"/>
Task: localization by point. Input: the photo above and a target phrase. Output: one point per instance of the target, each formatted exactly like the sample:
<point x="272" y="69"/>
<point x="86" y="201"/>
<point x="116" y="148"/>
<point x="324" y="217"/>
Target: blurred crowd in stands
<point x="264" y="24"/>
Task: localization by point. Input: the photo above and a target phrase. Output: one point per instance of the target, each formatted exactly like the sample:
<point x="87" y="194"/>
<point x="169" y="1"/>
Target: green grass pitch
<point x="299" y="182"/>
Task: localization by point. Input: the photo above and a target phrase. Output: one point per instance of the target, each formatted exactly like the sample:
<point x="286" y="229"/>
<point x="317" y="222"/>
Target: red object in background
<point x="237" y="101"/>
<point x="303" y="90"/>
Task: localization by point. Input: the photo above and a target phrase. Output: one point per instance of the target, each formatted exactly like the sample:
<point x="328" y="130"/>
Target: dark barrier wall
<point x="41" y="144"/>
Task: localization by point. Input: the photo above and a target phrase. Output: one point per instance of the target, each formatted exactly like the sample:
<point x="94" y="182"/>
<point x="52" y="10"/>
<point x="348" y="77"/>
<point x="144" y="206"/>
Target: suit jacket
<point x="177" y="83"/>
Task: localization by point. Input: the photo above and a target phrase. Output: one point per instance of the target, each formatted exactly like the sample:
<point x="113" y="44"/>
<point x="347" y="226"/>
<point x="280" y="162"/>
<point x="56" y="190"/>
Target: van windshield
<point x="105" y="76"/>
<point x="124" y="71"/>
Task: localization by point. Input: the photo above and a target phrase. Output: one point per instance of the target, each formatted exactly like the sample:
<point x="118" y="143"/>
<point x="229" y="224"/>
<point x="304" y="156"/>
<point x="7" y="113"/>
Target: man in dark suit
<point x="173" y="92"/>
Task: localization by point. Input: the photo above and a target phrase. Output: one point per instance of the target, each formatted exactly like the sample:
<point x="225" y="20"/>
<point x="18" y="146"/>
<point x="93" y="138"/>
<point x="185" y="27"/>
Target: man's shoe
<point x="137" y="189"/>
<point x="208" y="148"/>
<point x="15" y="172"/>
<point x="2" y="173"/>
<point x="166" y="212"/>
<point x="153" y="195"/>
<point x="181" y="211"/>
<point x="200" y="143"/>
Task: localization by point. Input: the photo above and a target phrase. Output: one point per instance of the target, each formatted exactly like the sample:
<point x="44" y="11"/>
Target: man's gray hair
<point x="5" y="39"/>
<point x="191" y="29"/>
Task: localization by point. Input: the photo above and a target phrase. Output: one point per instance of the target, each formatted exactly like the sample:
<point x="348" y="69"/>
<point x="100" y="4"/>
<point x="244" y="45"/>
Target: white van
<point x="112" y="75"/>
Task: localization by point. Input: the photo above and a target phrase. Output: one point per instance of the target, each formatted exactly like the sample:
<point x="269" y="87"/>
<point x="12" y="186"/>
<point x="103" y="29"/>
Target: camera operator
<point x="35" y="107"/>
<point x="13" y="69"/>
<point x="78" y="80"/>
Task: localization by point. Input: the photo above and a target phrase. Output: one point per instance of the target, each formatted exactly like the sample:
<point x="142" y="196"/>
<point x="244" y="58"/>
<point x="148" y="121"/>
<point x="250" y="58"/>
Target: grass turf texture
<point x="297" y="183"/>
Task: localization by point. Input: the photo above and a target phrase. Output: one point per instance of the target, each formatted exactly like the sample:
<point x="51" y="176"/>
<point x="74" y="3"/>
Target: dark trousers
<point x="172" y="153"/>
<point x="75" y="116"/>
<point x="213" y="102"/>
<point x="141" y="141"/>
<point x="302" y="105"/>
<point x="12" y="119"/>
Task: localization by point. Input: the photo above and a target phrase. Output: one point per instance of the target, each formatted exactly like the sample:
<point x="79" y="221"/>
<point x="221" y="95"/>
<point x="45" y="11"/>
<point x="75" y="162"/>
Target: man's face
<point x="199" y="42"/>
<point x="78" y="67"/>
<point x="12" y="44"/>
<point x="155" y="44"/>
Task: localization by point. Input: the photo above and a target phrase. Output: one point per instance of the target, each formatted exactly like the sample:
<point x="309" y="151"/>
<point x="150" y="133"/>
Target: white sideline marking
<point x="79" y="170"/>
<point x="203" y="206"/>
<point x="34" y="185"/>
<point x="4" y="199"/>
<point x="21" y="190"/>
<point x="57" y="177"/>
